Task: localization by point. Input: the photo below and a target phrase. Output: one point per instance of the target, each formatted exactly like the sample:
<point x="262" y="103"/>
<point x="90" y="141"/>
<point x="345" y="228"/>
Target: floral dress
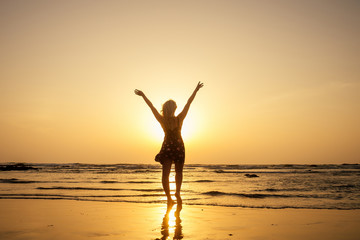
<point x="173" y="146"/>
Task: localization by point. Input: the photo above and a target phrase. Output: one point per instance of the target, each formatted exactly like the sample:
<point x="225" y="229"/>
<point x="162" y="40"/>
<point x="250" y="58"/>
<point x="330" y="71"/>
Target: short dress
<point x="173" y="145"/>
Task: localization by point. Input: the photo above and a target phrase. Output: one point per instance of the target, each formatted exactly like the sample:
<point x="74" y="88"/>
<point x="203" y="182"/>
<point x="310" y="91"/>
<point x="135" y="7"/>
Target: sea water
<point x="244" y="186"/>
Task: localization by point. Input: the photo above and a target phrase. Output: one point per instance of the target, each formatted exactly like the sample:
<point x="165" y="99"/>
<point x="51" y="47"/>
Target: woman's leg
<point x="179" y="165"/>
<point x="166" y="167"/>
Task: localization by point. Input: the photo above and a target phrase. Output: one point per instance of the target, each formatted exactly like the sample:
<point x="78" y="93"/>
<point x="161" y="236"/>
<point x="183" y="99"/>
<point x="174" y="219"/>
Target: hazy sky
<point x="282" y="80"/>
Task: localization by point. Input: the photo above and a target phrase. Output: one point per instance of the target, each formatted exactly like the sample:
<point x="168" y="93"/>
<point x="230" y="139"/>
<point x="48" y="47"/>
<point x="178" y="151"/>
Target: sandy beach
<point x="68" y="219"/>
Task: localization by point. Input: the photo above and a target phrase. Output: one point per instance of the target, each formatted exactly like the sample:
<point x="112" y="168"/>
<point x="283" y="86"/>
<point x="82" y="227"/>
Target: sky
<point x="281" y="80"/>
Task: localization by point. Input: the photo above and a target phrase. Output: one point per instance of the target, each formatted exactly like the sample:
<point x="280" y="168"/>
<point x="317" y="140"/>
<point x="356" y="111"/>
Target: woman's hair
<point x="168" y="108"/>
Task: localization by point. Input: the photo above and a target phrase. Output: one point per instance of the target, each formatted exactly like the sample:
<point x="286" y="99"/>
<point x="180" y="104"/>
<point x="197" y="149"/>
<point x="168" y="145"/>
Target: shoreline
<point x="64" y="219"/>
<point x="163" y="202"/>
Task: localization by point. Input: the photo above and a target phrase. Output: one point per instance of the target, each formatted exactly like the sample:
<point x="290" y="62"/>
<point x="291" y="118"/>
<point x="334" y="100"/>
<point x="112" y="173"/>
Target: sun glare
<point x="158" y="132"/>
<point x="187" y="132"/>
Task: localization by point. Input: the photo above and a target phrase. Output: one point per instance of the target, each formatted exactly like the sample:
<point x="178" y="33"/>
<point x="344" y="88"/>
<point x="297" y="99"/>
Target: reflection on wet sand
<point x="171" y="221"/>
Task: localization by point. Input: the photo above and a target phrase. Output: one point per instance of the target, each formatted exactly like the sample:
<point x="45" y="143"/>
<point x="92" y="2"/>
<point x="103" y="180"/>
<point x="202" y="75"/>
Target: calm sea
<point x="243" y="186"/>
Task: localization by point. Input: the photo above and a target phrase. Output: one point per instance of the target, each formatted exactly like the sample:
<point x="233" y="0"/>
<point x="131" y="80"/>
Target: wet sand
<point x="68" y="219"/>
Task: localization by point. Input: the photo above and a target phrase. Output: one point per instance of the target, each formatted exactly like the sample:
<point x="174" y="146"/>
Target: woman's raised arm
<point x="153" y="109"/>
<point x="182" y="115"/>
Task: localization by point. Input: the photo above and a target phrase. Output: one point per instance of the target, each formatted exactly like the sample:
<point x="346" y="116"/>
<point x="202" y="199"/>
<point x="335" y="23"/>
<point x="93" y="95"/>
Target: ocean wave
<point x="101" y="198"/>
<point x="142" y="181"/>
<point x="204" y="181"/>
<point x="292" y="171"/>
<point x="345" y="173"/>
<point x="15" y="180"/>
<point x="109" y="189"/>
<point x="137" y="182"/>
<point x="336" y="169"/>
<point x="275" y="166"/>
<point x="157" y="167"/>
<point x="260" y="195"/>
<point x="107" y="181"/>
<point x="80" y="196"/>
<point x="97" y="189"/>
<point x="333" y="207"/>
<point x="345" y="186"/>
<point x="283" y="190"/>
<point x="247" y="195"/>
<point x="200" y="181"/>
<point x="79" y="188"/>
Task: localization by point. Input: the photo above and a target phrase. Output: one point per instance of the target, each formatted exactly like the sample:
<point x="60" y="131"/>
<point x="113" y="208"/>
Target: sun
<point x="191" y="128"/>
<point x="187" y="130"/>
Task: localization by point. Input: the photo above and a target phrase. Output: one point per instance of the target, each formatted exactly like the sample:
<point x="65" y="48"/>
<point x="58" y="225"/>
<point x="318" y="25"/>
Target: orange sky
<point x="282" y="80"/>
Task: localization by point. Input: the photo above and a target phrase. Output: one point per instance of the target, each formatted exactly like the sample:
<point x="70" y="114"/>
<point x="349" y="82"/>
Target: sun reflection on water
<point x="172" y="219"/>
<point x="172" y="183"/>
<point x="171" y="224"/>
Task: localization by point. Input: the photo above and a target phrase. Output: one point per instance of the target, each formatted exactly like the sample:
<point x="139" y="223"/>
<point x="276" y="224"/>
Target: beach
<point x="69" y="219"/>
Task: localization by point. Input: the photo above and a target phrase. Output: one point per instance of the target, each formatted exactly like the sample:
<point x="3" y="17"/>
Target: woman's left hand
<point x="200" y="85"/>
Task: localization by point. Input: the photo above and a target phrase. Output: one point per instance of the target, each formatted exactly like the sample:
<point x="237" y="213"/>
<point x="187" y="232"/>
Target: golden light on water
<point x="172" y="219"/>
<point x="172" y="223"/>
<point x="172" y="183"/>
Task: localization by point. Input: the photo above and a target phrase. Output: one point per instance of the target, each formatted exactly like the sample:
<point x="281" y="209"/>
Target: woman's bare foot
<point x="169" y="207"/>
<point x="178" y="210"/>
<point x="170" y="203"/>
<point x="178" y="198"/>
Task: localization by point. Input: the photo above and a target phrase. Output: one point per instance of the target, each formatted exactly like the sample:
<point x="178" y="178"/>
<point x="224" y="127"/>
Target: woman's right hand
<point x="138" y="92"/>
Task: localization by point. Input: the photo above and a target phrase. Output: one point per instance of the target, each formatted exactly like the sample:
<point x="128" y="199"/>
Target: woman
<point x="172" y="150"/>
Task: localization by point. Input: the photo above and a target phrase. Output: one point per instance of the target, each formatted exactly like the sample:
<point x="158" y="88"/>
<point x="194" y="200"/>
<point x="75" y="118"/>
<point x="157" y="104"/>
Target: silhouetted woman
<point x="172" y="150"/>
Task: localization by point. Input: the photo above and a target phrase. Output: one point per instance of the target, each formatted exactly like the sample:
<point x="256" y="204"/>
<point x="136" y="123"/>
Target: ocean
<point x="244" y="186"/>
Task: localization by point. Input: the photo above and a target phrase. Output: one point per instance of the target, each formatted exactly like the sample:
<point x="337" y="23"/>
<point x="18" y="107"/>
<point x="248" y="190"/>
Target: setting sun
<point x="192" y="127"/>
<point x="187" y="131"/>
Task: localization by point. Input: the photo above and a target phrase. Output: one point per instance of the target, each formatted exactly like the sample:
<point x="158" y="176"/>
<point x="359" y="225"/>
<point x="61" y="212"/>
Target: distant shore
<point x="69" y="219"/>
